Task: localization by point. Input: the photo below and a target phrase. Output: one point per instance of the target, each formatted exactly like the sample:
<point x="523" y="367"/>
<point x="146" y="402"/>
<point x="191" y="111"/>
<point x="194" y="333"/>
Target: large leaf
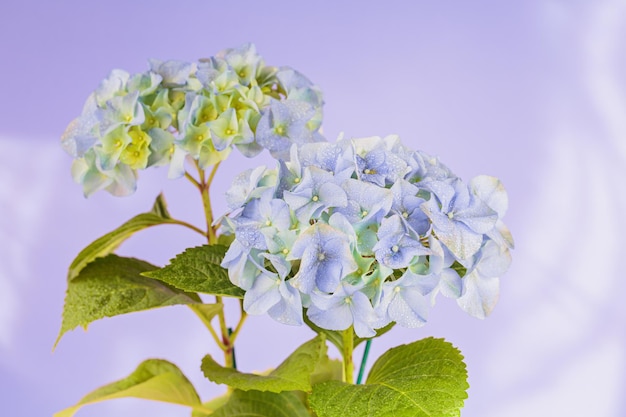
<point x="153" y="379"/>
<point x="336" y="337"/>
<point x="113" y="285"/>
<point x="262" y="404"/>
<point x="422" y="379"/>
<point x="293" y="374"/>
<point x="109" y="242"/>
<point x="198" y="270"/>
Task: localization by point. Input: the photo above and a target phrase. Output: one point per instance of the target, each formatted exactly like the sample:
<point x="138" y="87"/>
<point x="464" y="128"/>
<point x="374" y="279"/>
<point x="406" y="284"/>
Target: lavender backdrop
<point x="533" y="92"/>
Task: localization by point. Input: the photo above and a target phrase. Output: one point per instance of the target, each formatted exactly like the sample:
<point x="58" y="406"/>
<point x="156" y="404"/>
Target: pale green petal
<point x="113" y="144"/>
<point x="161" y="147"/>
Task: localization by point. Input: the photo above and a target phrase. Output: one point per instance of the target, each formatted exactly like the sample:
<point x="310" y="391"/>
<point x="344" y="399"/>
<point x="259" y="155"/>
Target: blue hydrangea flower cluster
<point x="180" y="110"/>
<point x="364" y="232"/>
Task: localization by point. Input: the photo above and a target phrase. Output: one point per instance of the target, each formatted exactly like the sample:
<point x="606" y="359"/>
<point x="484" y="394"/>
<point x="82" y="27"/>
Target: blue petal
<point x="263" y="295"/>
<point x="289" y="309"/>
<point x="363" y="315"/>
<point x="480" y="295"/>
<point x="331" y="312"/>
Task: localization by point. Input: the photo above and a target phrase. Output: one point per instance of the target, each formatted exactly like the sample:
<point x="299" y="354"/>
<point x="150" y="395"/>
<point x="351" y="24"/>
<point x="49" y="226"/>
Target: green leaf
<point x="111" y="241"/>
<point x="111" y="286"/>
<point x="160" y="207"/>
<point x="327" y="370"/>
<point x="198" y="270"/>
<point x="263" y="404"/>
<point x="154" y="379"/>
<point x="422" y="379"/>
<point x="206" y="312"/>
<point x="211" y="406"/>
<point x="336" y="338"/>
<point x="225" y="240"/>
<point x="293" y="374"/>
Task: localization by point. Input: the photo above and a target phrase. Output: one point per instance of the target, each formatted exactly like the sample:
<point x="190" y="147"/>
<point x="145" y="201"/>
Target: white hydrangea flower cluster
<point x="180" y="110"/>
<point x="364" y="232"/>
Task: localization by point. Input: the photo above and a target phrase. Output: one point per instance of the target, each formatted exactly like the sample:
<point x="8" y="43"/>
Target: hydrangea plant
<point x="348" y="238"/>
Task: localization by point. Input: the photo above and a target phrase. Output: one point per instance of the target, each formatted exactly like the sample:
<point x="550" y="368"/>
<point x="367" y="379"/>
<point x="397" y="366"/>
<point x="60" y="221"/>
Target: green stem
<point x="192" y="180"/>
<point x="348" y="348"/>
<point x="242" y="319"/>
<point x="209" y="326"/>
<point x="204" y="186"/>
<point x="232" y="349"/>
<point x="208" y="214"/>
<point x="213" y="171"/>
<point x="366" y="353"/>
<point x="226" y="340"/>
<point x="189" y="226"/>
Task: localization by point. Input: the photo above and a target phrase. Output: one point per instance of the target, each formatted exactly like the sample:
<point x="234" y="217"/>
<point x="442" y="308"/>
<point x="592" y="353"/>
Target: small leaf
<point x="327" y="370"/>
<point x="422" y="379"/>
<point x="111" y="286"/>
<point x="160" y="207"/>
<point x="458" y="268"/>
<point x="154" y="379"/>
<point x="263" y="404"/>
<point x="112" y="240"/>
<point x="198" y="270"/>
<point x="336" y="338"/>
<point x="225" y="240"/>
<point x="206" y="312"/>
<point x="293" y="374"/>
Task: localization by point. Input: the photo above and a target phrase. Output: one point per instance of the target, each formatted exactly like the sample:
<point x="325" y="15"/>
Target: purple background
<point x="533" y="92"/>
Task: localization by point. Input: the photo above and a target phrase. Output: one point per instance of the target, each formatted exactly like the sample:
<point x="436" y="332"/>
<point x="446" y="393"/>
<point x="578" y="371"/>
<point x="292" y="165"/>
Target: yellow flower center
<point x="315" y="198"/>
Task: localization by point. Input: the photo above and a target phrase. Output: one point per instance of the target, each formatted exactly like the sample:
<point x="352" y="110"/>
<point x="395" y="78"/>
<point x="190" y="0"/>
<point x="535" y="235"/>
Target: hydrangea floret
<point x="364" y="232"/>
<point x="189" y="110"/>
